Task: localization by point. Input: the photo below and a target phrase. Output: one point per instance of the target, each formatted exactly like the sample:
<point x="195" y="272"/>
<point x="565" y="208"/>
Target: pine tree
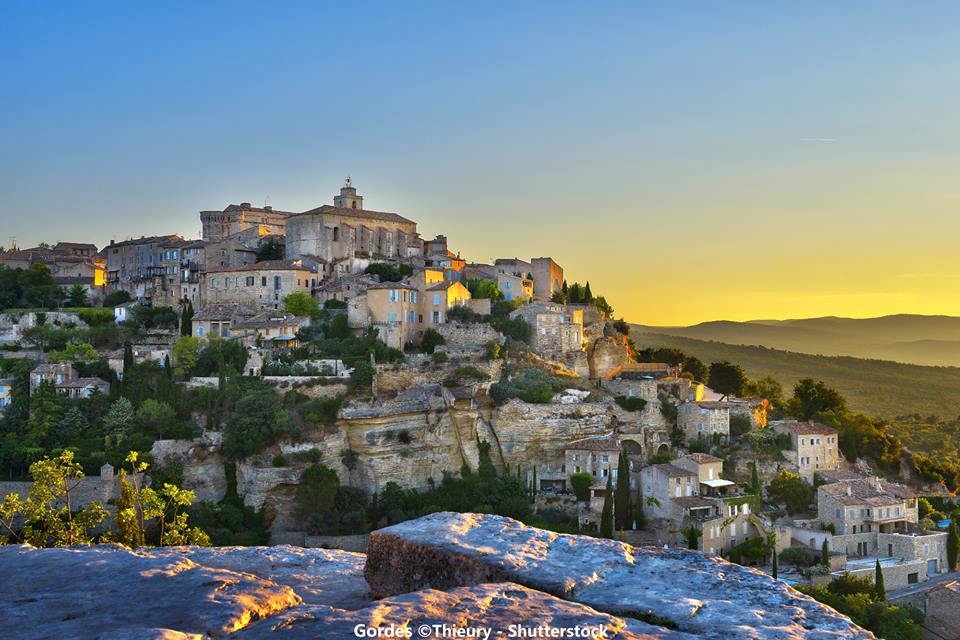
<point x="623" y="492"/>
<point x="953" y="545"/>
<point x="825" y="553"/>
<point x="573" y="296"/>
<point x="564" y="290"/>
<point x="606" y="515"/>
<point x="587" y="295"/>
<point x="774" y="565"/>
<point x="755" y="479"/>
<point x="878" y="583"/>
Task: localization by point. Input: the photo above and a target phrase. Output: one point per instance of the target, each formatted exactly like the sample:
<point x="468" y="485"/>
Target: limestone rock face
<point x="535" y="434"/>
<point x="203" y="470"/>
<point x="705" y="597"/>
<point x="472" y="572"/>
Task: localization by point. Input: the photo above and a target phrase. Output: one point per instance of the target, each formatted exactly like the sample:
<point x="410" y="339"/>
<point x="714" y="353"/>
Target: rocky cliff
<point x="487" y="576"/>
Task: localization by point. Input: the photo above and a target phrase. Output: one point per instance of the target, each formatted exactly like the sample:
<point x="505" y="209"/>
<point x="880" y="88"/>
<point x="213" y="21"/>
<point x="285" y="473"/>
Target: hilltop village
<point x="313" y="376"/>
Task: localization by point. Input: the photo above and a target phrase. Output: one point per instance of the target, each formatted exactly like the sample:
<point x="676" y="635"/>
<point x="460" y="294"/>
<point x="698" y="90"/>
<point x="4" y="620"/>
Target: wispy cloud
<point x="819" y="140"/>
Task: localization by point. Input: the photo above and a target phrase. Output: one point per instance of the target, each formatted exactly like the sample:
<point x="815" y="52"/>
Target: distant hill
<point x="875" y="387"/>
<point x="915" y="339"/>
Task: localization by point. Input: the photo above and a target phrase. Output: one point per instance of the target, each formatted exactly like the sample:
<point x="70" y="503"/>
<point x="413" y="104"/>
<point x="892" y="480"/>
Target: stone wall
<point x="312" y="386"/>
<point x="476" y="335"/>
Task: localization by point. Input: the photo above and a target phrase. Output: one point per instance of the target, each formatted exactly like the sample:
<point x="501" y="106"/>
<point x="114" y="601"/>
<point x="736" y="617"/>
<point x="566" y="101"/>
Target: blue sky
<point x="703" y="138"/>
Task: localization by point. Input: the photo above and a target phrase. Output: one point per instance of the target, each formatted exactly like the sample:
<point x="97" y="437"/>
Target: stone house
<point x="598" y="456"/>
<point x="6" y="394"/>
<point x="479" y="271"/>
<point x="217" y="320"/>
<point x="436" y="246"/>
<point x="344" y="288"/>
<point x="345" y="237"/>
<point x="66" y="381"/>
<point x="393" y="308"/>
<point x="704" y="419"/>
<point x="871" y="519"/>
<point x="813" y="446"/>
<point x="141" y="353"/>
<point x="237" y="218"/>
<point x="690" y="493"/>
<point x="555" y="328"/>
<point x="136" y="265"/>
<point x="513" y="287"/>
<point x="272" y="329"/>
<point x="941" y="607"/>
<point x="514" y="267"/>
<point x="263" y="284"/>
<point x="437" y="299"/>
<point x="81" y="249"/>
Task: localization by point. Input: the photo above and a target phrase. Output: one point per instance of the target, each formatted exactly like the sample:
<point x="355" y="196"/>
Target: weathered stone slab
<point x="705" y="597"/>
<point x="494" y="609"/>
<point x="83" y="592"/>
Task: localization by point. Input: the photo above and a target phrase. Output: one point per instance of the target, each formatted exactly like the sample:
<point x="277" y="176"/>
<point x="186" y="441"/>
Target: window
<point x="250" y="280"/>
<point x="200" y="331"/>
<point x="336" y="233"/>
<point x="392" y="316"/>
<point x="413" y="296"/>
<point x="436" y="299"/>
<point x="276" y="282"/>
<point x="263" y="281"/>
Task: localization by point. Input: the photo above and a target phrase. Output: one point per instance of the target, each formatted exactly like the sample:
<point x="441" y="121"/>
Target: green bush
<point x="629" y="403"/>
<point x="581" y="483"/>
<point x="431" y="340"/>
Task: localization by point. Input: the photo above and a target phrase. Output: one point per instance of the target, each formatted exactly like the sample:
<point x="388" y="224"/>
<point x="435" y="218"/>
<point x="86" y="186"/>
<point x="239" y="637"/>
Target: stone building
<point x="136" y="266"/>
<point x="217" y="320"/>
<point x="690" y="493"/>
<point x="813" y="446"/>
<point x="237" y="218"/>
<point x="941" y="607"/>
<point x="547" y="277"/>
<point x="704" y="419"/>
<point x="871" y="519"/>
<point x="513" y="287"/>
<point x="346" y="238"/>
<point x="555" y="328"/>
<point x="263" y="284"/>
<point x="66" y="381"/>
<point x="344" y="288"/>
<point x="393" y="310"/>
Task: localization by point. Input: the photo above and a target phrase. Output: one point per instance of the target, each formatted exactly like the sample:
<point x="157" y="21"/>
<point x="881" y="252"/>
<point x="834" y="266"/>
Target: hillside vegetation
<point x="914" y="339"/>
<point x="874" y="387"/>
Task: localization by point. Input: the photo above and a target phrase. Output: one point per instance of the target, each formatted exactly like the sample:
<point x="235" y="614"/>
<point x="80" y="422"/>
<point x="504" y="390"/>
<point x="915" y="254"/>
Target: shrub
<point x="800" y="557"/>
<point x="439" y="357"/>
<point x="279" y="460"/>
<point x="581" y="483"/>
<point x="629" y="403"/>
<point x="431" y="340"/>
<point x="116" y="298"/>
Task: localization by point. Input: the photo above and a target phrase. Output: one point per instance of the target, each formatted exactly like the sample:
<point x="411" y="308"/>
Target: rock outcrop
<point x="485" y="575"/>
<point x="706" y="597"/>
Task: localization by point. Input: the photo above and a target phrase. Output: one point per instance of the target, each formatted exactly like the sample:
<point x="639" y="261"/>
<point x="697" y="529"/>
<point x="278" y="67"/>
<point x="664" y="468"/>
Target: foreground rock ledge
<point x="467" y="571"/>
<point x="704" y="597"/>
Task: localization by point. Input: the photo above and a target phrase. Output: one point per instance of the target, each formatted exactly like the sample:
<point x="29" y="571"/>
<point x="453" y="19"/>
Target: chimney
<point x="849" y="490"/>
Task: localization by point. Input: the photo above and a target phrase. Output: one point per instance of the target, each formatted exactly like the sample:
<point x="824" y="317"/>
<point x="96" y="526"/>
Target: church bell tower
<point x="348" y="198"/>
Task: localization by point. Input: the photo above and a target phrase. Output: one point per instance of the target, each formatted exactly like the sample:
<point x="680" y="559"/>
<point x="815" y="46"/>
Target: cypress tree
<point x="623" y="492"/>
<point x="953" y="545"/>
<point x="606" y="515"/>
<point x="755" y="479"/>
<point x="774" y="565"/>
<point x="587" y="295"/>
<point x="127" y="357"/>
<point x="574" y="295"/>
<point x="878" y="583"/>
<point x="186" y="319"/>
<point x="825" y="553"/>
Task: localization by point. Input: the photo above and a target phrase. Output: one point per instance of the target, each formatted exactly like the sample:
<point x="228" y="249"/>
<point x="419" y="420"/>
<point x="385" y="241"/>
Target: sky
<point x="694" y="161"/>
